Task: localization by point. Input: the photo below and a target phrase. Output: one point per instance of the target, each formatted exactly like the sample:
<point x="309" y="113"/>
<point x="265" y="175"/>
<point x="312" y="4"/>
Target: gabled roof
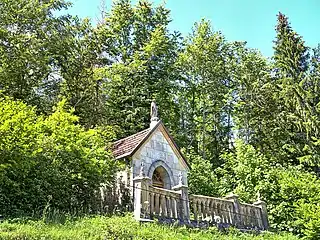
<point x="123" y="147"/>
<point x="126" y="147"/>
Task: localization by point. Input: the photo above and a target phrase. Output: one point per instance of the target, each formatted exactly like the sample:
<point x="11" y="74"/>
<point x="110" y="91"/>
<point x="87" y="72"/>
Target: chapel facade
<point x="152" y="153"/>
<point x="156" y="172"/>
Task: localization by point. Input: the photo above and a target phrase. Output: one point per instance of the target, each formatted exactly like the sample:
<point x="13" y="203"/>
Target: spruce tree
<point x="139" y="67"/>
<point x="291" y="55"/>
<point x="298" y="118"/>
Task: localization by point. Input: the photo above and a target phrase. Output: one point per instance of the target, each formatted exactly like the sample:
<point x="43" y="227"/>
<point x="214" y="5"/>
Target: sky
<point x="252" y="21"/>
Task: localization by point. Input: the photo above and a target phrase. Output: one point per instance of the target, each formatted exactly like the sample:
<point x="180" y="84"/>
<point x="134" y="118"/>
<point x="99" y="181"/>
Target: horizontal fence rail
<point x="250" y="215"/>
<point x="152" y="202"/>
<point x="225" y="211"/>
<point x="211" y="209"/>
<point x="164" y="203"/>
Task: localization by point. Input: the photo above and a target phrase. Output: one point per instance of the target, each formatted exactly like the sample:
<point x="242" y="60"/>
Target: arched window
<point x="161" y="175"/>
<point x="158" y="177"/>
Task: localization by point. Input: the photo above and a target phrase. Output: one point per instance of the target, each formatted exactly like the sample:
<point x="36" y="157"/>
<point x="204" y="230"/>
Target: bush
<point x="291" y="193"/>
<point x="309" y="219"/>
<point x="201" y="178"/>
<point x="49" y="161"/>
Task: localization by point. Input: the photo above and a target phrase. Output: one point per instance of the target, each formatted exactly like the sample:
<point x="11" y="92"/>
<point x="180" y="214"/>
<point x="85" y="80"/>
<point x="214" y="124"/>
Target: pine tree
<point x="140" y="65"/>
<point x="298" y="117"/>
<point x="291" y="55"/>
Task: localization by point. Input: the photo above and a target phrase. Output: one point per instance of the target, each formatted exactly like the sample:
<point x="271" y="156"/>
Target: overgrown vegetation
<point x="49" y="160"/>
<point x="120" y="228"/>
<point x="247" y="124"/>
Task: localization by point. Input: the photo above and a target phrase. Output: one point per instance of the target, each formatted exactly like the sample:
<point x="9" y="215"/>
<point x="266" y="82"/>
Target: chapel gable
<point x="155" y="151"/>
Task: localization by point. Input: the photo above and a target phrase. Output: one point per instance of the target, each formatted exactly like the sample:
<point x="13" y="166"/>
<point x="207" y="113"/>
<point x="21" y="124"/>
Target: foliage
<point x="291" y="54"/>
<point x="248" y="124"/>
<point x="297" y="94"/>
<point x="309" y="220"/>
<point x="205" y="66"/>
<point x="139" y="66"/>
<point x="119" y="228"/>
<point x="291" y="193"/>
<point x="30" y="36"/>
<point x="201" y="178"/>
<point x="49" y="159"/>
<point x="76" y="78"/>
<point x="243" y="171"/>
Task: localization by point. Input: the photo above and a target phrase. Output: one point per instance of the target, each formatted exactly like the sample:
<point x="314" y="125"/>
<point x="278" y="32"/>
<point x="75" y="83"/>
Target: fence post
<point x="184" y="200"/>
<point x="263" y="206"/>
<point x="141" y="197"/>
<point x="236" y="209"/>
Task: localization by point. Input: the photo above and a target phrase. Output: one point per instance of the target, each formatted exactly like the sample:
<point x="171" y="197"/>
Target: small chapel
<point x="152" y="153"/>
<point x="156" y="173"/>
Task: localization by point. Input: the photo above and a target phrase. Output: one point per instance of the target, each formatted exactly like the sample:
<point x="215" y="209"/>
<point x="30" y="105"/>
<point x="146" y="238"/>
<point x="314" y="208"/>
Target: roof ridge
<point x="126" y="146"/>
<point x="121" y="139"/>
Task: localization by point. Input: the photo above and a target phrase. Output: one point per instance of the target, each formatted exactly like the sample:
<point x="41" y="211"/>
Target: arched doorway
<point x="160" y="178"/>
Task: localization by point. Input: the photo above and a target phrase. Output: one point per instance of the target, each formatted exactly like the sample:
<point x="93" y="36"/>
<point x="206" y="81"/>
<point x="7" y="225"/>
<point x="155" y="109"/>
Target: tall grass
<point x="117" y="227"/>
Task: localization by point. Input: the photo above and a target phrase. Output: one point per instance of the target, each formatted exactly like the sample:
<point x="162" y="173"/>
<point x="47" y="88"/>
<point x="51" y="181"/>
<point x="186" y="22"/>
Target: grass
<point x="100" y="227"/>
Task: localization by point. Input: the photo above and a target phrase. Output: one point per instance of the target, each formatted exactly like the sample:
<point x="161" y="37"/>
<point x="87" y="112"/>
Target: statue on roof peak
<point x="154" y="111"/>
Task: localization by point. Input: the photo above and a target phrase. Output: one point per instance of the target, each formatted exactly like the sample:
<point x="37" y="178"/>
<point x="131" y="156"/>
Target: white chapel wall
<point x="155" y="151"/>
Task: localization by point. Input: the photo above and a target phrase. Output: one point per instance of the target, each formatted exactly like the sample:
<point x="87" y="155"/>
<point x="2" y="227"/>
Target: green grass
<point x="100" y="227"/>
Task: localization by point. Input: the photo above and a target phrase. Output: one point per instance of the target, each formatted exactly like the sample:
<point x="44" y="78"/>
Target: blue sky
<point x="243" y="20"/>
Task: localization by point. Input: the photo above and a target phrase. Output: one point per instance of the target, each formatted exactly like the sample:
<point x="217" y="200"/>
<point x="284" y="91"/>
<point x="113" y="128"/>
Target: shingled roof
<point x="125" y="146"/>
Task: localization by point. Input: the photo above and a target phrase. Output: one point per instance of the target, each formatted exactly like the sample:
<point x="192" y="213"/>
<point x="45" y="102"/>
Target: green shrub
<point x="49" y="161"/>
<point x="201" y="178"/>
<point x="309" y="219"/>
<point x="291" y="193"/>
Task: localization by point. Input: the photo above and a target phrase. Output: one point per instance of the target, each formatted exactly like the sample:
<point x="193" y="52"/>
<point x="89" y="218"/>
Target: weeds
<point x="116" y="227"/>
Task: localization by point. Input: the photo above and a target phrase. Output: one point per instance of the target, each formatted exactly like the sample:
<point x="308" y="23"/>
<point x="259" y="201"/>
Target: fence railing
<point x="227" y="211"/>
<point x="250" y="215"/>
<point x="152" y="202"/>
<point x="211" y="209"/>
<point x="164" y="203"/>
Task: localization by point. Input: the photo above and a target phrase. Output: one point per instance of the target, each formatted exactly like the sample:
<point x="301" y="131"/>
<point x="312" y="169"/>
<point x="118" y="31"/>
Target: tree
<point x="276" y="106"/>
<point x="140" y="65"/>
<point x="76" y="66"/>
<point x="46" y="56"/>
<point x="206" y="90"/>
<point x="29" y="35"/>
<point x="291" y="55"/>
<point x="296" y="96"/>
<point x="50" y="159"/>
